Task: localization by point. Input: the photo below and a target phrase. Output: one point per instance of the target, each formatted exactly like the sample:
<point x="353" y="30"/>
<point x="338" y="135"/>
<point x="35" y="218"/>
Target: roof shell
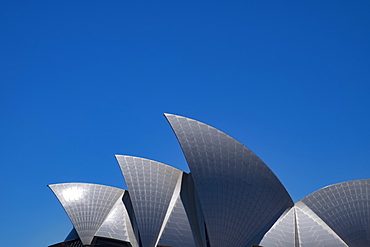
<point x="240" y="196"/>
<point x="153" y="188"/>
<point x="87" y="205"/>
<point x="345" y="208"/>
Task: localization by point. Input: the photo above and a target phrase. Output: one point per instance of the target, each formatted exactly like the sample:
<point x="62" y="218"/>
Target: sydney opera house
<point x="230" y="198"/>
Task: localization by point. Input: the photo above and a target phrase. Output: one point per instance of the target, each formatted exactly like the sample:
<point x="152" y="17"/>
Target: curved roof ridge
<point x="65" y="183"/>
<point x="174" y="115"/>
<point x="333" y="185"/>
<point x="338" y="184"/>
<point x="137" y="157"/>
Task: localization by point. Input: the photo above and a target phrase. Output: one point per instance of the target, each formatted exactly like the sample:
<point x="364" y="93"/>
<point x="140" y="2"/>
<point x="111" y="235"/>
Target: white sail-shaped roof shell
<point x="240" y="196"/>
<point x="87" y="205"/>
<point x="154" y="188"/>
<point x="230" y="198"/>
<point x="334" y="216"/>
<point x="345" y="208"/>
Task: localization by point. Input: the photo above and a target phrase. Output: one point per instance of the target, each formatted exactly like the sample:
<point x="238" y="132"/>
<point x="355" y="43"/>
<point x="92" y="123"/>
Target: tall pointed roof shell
<point x="240" y="196"/>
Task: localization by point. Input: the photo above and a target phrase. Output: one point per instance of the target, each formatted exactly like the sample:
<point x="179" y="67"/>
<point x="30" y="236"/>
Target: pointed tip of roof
<point x="166" y="115"/>
<point x="50" y="186"/>
<point x="173" y="115"/>
<point x="132" y="156"/>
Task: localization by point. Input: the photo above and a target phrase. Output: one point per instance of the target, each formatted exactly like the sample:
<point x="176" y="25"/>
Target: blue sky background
<point x="81" y="81"/>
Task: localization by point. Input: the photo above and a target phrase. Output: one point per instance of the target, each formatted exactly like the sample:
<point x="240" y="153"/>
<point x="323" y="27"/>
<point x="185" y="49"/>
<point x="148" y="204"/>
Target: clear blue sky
<point x="81" y="81"/>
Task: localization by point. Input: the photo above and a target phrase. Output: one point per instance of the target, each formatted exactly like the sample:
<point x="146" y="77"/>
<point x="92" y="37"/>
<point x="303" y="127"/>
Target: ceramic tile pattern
<point x="240" y="196"/>
<point x="117" y="225"/>
<point x="177" y="232"/>
<point x="344" y="207"/>
<point x="230" y="198"/>
<point x="282" y="234"/>
<point x="151" y="185"/>
<point x="87" y="205"/>
<point x="312" y="231"/>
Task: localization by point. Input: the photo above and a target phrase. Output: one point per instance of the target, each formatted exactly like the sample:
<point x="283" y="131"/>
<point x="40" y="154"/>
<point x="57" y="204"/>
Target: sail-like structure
<point x="345" y="208"/>
<point x="87" y="205"/>
<point x="240" y="196"/>
<point x="229" y="198"/>
<point x="334" y="216"/>
<point x="154" y="189"/>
